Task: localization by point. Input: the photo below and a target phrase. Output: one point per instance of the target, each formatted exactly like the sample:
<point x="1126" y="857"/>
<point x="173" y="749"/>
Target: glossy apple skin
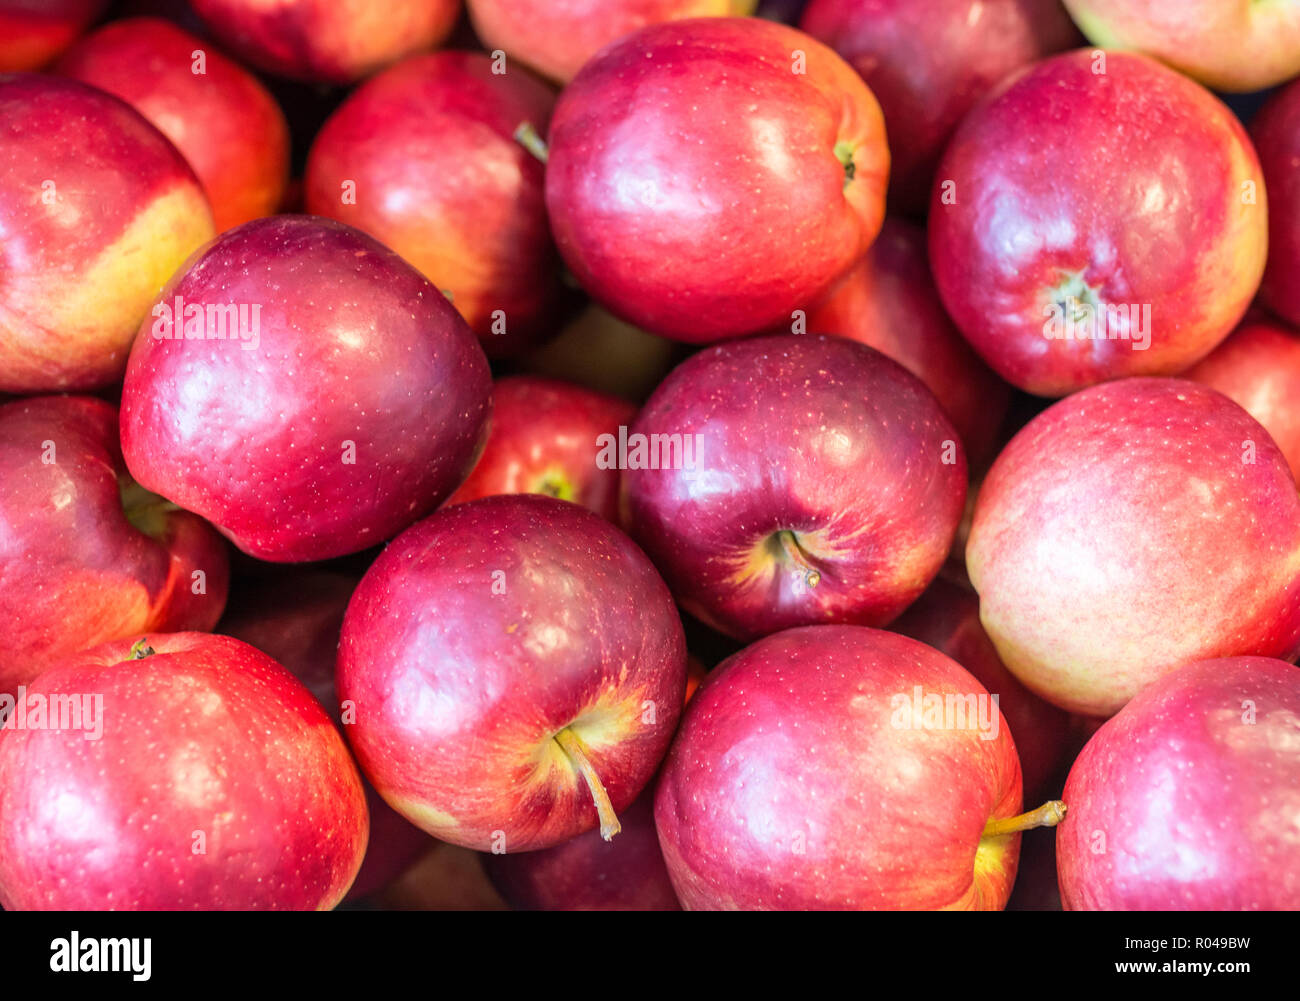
<point x="295" y="619"/>
<point x="1099" y="525"/>
<point x="929" y="61"/>
<point x="1154" y="215"/>
<point x="888" y="301"/>
<point x="1276" y="132"/>
<point x="1258" y="367"/>
<point x="556" y="37"/>
<point x="947" y="617"/>
<point x="33" y="34"/>
<point x="459" y="690"/>
<point x="207" y="734"/>
<point x="75" y="571"/>
<point x="354" y="346"/>
<point x="438" y="176"/>
<point x="98" y="210"/>
<point x="1235" y="47"/>
<point x="327" y="41"/>
<point x="667" y="196"/>
<point x="819" y="436"/>
<point x="792" y="737"/>
<point x="224" y="122"/>
<point x="544" y="440"/>
<point x="1187" y="799"/>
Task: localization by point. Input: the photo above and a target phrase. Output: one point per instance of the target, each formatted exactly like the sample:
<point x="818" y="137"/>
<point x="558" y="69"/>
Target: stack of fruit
<point x="405" y="409"/>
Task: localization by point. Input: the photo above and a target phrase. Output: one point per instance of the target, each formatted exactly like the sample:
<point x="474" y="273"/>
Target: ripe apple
<point x="1258" y="367"/>
<point x="98" y="210"/>
<point x="208" y="779"/>
<point x="929" y="61"/>
<point x="947" y="617"/>
<point x="423" y="158"/>
<point x="1134" y="254"/>
<point x="812" y="771"/>
<point x="556" y="37"/>
<point x="1189" y="798"/>
<point x="708" y="176"/>
<point x="508" y="662"/>
<point x="34" y="32"/>
<point x="1235" y="47"/>
<point x="545" y="438"/>
<point x="295" y="618"/>
<point x="794" y="479"/>
<point x="888" y="301"/>
<point x="1128" y="529"/>
<point x="351" y="401"/>
<point x="223" y="121"/>
<point x="87" y="555"/>
<point x="328" y="41"/>
<point x="1276" y="131"/>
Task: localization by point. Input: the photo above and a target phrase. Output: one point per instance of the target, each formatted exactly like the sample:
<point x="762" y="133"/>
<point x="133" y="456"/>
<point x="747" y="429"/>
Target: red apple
<point x="555" y="37"/>
<point x="423" y="159"/>
<point x="98" y="210"/>
<point x="888" y="301"/>
<point x="328" y="41"/>
<point x="224" y="122"/>
<point x="34" y="32"/>
<point x="820" y="769"/>
<point x="1189" y="799"/>
<point x="296" y="619"/>
<point x="1097" y="216"/>
<point x="947" y="617"/>
<point x="87" y="555"/>
<point x="351" y="401"/>
<point x="793" y="480"/>
<point x="1276" y="131"/>
<point x="1228" y="46"/>
<point x="1258" y="367"/>
<point x="545" y="439"/>
<point x="1131" y="528"/>
<point x="708" y="176"/>
<point x="209" y="779"/>
<point x="507" y="662"/>
<point x="929" y="61"/>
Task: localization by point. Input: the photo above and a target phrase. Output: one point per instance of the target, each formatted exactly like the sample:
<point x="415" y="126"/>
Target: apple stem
<point x="527" y="137"/>
<point x="790" y="544"/>
<point x="572" y="745"/>
<point x="141" y="649"/>
<point x="1049" y="814"/>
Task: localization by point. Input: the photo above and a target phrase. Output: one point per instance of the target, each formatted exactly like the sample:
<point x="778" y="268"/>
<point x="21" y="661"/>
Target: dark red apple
<point x="1133" y="253"/>
<point x="209" y="779"/>
<point x="350" y="401"/>
<point x="98" y="210"/>
<point x="507" y="662"/>
<point x="34" y="32"/>
<point x="929" y="61"/>
<point x="224" y="122"/>
<point x="555" y="37"/>
<point x="423" y="158"/>
<point x="793" y="480"/>
<point x="1189" y="798"/>
<point x="813" y="771"/>
<point x="888" y="301"/>
<point x="708" y="176"/>
<point x="1129" y="529"/>
<point x="1276" y="131"/>
<point x="87" y="554"/>
<point x="545" y="438"/>
<point x="328" y="41"/>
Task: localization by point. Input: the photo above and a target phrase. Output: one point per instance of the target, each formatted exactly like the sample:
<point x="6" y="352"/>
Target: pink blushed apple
<point x="34" y="32"/>
<point x="1276" y="132"/>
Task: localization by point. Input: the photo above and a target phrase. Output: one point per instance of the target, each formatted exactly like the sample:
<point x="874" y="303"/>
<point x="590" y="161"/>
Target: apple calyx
<point x="789" y="543"/>
<point x="844" y="153"/>
<point x="145" y="510"/>
<point x="141" y="649"/>
<point x="527" y="137"/>
<point x="1049" y="814"/>
<point x="576" y="751"/>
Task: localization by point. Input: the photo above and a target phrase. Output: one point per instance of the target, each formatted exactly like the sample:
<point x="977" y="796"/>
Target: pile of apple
<point x="404" y="408"/>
